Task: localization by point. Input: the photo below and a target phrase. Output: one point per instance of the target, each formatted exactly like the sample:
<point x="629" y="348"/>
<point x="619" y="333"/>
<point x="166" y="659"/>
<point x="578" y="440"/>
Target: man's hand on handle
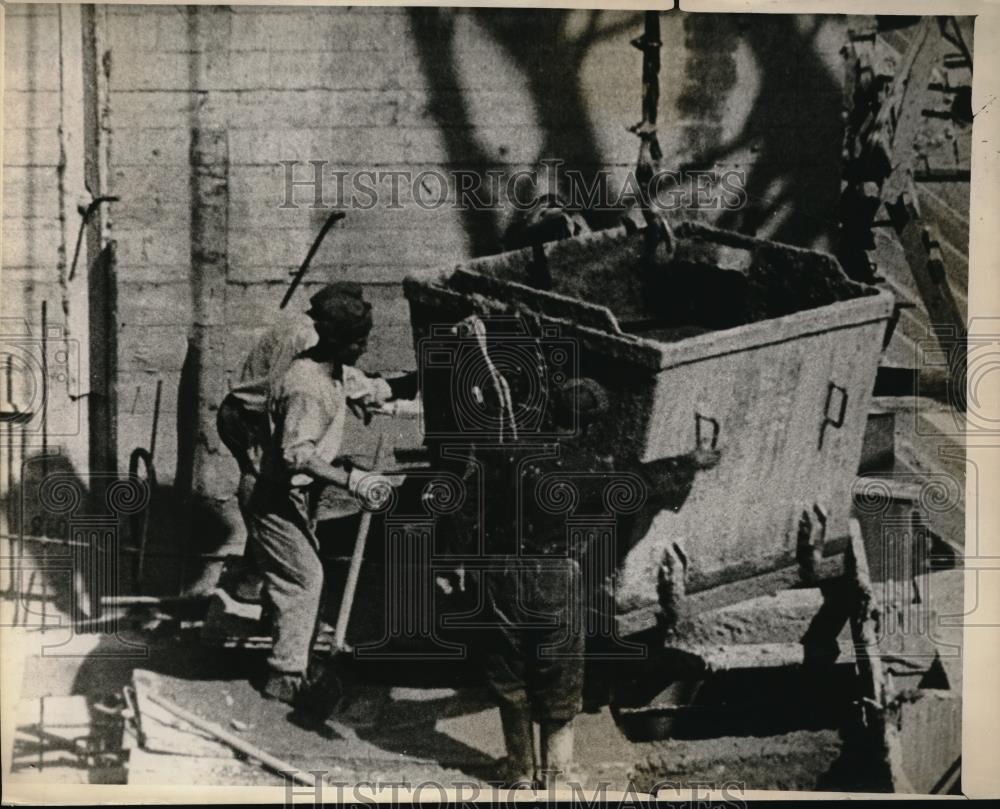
<point x="372" y="489"/>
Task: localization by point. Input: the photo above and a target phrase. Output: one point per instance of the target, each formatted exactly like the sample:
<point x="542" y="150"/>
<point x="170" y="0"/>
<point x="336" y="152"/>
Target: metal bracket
<point x="698" y="438"/>
<point x="810" y="540"/>
<point x="838" y="421"/>
<point x="672" y="585"/>
<point x="644" y="43"/>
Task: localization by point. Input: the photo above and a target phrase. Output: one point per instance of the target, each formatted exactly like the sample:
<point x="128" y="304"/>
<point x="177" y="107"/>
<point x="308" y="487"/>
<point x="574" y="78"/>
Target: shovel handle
<point x="331" y="220"/>
<point x="353" y="573"/>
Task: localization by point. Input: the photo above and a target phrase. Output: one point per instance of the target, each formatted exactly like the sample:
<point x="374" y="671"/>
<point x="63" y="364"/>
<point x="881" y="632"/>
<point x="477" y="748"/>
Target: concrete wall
<point x="33" y="251"/>
<point x="204" y="102"/>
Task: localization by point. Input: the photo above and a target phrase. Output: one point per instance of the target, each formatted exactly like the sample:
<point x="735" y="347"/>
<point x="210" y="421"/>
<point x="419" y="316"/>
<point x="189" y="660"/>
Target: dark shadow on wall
<point x="184" y="519"/>
<point x="74" y="537"/>
<point x="542" y="47"/>
<point x="40" y="518"/>
<point x="187" y="415"/>
<point x="793" y="129"/>
<point x="190" y="384"/>
<point x="434" y="29"/>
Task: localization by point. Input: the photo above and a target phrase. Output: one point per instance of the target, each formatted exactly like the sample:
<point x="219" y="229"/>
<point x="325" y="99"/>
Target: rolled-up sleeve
<point x="307" y="411"/>
<point x="305" y="421"/>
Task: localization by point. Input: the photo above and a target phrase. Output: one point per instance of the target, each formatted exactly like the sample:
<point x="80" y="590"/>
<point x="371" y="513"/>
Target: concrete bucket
<point x="686" y="339"/>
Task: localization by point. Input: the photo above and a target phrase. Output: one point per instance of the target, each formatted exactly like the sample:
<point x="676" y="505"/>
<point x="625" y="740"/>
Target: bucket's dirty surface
<point x="696" y="338"/>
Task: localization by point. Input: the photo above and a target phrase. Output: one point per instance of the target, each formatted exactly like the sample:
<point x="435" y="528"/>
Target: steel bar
<point x="107" y="621"/>
<point x="156" y="418"/>
<point x="154" y="601"/>
<point x="87" y="214"/>
<point x="272" y="763"/>
<point x="15" y="574"/>
<point x="20" y="545"/>
<point x="921" y="247"/>
<point x="45" y="435"/>
<point x="64" y="543"/>
<point x="148" y="460"/>
<point x="957" y="38"/>
<point x="45" y="388"/>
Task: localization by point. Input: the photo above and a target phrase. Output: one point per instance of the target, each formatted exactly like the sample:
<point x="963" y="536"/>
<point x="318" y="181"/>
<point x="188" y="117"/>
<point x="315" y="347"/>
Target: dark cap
<point x="343" y="308"/>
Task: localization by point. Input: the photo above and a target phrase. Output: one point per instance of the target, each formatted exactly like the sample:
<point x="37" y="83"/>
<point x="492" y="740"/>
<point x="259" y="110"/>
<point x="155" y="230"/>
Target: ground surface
<point x="418" y="723"/>
<point x="405" y="722"/>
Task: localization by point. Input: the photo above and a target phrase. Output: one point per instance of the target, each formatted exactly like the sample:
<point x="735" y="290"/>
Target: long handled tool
<point x="140" y="520"/>
<point x="331" y="220"/>
<point x="272" y="763"/>
<point x="85" y="218"/>
<point x="354" y="572"/>
<point x="325" y="689"/>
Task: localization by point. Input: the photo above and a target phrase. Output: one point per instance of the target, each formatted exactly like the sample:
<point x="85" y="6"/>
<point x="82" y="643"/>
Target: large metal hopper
<point x="699" y="335"/>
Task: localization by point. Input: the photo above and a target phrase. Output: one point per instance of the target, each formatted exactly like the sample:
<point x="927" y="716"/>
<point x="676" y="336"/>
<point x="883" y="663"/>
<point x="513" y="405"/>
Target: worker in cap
<point x="243" y="423"/>
<point x="533" y="588"/>
<point x="304" y="408"/>
<point x="529" y="582"/>
<point x="540" y="578"/>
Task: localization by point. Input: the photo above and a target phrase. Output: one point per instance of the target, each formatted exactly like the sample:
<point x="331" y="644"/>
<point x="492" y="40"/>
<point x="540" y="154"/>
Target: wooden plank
<point x="863" y="629"/>
<point x="162" y="732"/>
<point x="723" y="595"/>
<point x="921" y="247"/>
<point x="237" y="744"/>
<point x="146" y="768"/>
<point x="926" y="742"/>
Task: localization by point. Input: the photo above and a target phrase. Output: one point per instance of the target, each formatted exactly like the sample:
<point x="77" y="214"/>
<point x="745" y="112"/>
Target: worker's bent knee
<point x="511" y="696"/>
<point x="312" y="579"/>
<point x="558" y="711"/>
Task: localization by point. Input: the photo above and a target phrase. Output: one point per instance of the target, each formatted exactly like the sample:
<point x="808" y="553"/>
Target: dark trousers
<point x="240" y="433"/>
<point x="533" y="654"/>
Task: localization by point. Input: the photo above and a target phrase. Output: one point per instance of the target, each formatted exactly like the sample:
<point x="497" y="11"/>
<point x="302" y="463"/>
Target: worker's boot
<point x="518" y="769"/>
<point x="558" y="766"/>
<point x="322" y="691"/>
<point x="249" y="588"/>
<point x="241" y="581"/>
<point x="282" y="686"/>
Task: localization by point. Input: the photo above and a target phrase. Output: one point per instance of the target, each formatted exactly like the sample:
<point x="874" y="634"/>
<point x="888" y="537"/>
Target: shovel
<point x="350" y="587"/>
<point x="326" y="689"/>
